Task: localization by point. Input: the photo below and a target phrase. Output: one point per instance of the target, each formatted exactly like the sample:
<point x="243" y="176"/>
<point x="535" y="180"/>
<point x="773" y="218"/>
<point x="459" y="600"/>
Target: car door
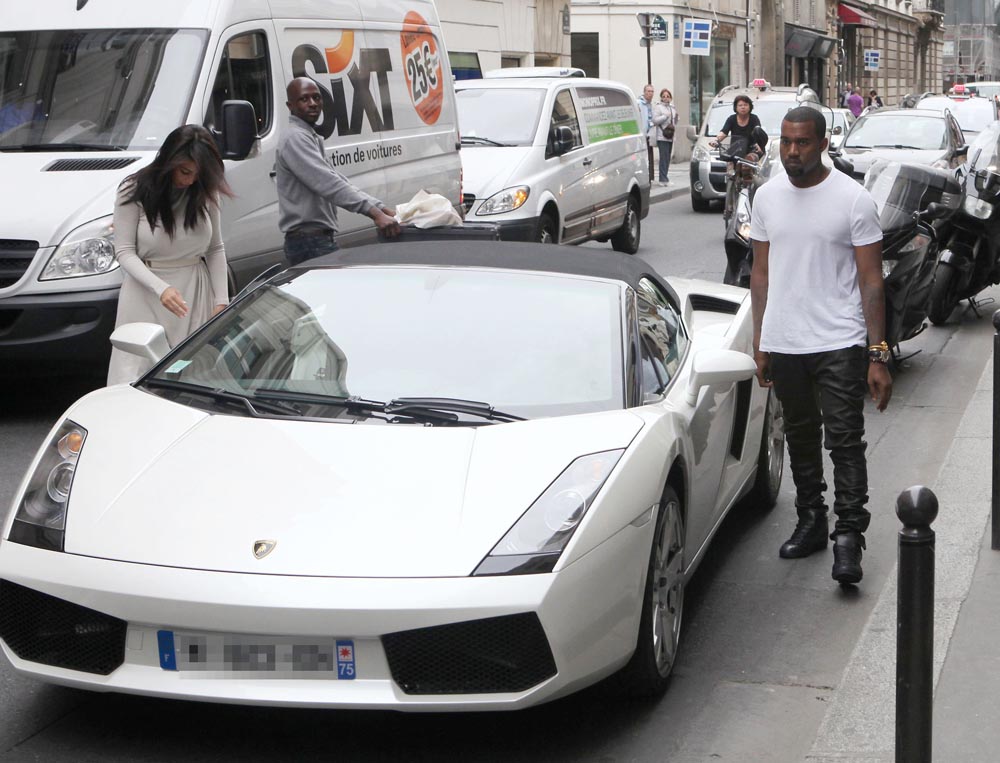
<point x="566" y="174"/>
<point x="243" y="70"/>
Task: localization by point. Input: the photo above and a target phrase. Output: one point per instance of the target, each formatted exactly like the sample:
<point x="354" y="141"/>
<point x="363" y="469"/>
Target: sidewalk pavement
<point x="860" y="724"/>
<point x="680" y="183"/>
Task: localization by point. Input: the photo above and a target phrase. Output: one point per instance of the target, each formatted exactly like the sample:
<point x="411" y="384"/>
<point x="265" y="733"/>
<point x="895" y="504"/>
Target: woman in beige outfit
<point x="169" y="244"/>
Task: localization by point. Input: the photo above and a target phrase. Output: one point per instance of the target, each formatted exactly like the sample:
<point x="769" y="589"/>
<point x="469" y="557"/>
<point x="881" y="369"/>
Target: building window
<point x="510" y="62"/>
<point x="585" y="53"/>
<point x="465" y="65"/>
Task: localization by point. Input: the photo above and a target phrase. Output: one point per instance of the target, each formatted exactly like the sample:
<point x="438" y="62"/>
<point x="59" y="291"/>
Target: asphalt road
<point x="764" y="644"/>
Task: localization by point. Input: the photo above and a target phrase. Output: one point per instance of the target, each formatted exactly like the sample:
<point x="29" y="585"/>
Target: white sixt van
<point x="90" y="88"/>
<point x="554" y="159"/>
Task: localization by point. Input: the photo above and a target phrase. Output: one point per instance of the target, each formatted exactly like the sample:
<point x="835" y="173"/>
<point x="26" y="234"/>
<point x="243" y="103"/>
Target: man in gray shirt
<point x="309" y="188"/>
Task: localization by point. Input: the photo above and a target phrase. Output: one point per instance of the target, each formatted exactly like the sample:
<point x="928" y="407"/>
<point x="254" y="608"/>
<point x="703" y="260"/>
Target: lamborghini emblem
<point x="262" y="548"/>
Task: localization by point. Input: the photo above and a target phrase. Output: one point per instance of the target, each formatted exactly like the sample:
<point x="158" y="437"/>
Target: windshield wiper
<point x="251" y="404"/>
<point x="896" y="145"/>
<point x="62" y="147"/>
<point x="356" y="404"/>
<point x="411" y="405"/>
<point x="483" y="141"/>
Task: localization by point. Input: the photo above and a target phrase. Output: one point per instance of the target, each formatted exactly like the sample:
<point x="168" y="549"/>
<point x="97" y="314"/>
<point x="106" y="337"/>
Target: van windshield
<point x="508" y="116"/>
<point x="95" y="89"/>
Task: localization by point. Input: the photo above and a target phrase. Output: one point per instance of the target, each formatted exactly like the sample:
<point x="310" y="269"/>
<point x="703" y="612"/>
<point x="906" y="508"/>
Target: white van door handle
<point x="587" y="162"/>
<point x="272" y="174"/>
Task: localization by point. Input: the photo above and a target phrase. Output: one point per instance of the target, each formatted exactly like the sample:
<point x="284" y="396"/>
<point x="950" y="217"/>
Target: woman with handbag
<point x="168" y="242"/>
<point x="665" y="117"/>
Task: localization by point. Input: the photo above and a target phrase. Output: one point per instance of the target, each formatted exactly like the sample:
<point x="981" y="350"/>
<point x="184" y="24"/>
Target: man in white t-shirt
<point x="818" y="300"/>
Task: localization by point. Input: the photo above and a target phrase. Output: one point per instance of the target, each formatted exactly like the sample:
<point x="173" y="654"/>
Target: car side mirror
<point x="837" y="130"/>
<point x="712" y="368"/>
<point x="146" y="340"/>
<point x="562" y="140"/>
<point x="692" y="134"/>
<point x="239" y="129"/>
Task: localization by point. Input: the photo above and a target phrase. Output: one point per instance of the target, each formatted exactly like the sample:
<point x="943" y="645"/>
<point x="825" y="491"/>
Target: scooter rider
<point x="739" y="126"/>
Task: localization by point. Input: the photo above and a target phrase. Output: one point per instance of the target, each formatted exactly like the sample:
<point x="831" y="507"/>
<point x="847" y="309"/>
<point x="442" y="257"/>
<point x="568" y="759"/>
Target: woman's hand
<point x="174" y="302"/>
<point x="218" y="309"/>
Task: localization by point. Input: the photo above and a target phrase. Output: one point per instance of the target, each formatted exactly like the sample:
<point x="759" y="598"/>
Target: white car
<point x="249" y="514"/>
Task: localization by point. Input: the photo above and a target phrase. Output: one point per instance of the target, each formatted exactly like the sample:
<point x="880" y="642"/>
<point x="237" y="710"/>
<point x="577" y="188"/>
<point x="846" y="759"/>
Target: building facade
<point x="971" y="42"/>
<point x="491" y="34"/>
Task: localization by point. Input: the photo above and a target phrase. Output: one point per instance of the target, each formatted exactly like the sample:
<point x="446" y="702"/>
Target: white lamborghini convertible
<point x="418" y="477"/>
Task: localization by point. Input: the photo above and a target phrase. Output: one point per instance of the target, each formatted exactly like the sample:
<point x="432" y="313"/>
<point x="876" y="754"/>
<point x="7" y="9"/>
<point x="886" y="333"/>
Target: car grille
<point x="717" y="176"/>
<point x="468" y="199"/>
<point x="497" y="654"/>
<point x="15" y="257"/>
<point x="41" y="628"/>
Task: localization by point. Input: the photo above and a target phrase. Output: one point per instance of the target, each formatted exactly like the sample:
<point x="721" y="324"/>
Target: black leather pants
<point x="826" y="391"/>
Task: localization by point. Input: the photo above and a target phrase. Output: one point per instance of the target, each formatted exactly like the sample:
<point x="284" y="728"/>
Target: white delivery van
<point x="554" y="159"/>
<point x="90" y="88"/>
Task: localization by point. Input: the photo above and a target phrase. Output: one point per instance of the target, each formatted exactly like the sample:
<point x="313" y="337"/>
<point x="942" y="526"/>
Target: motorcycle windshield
<point x="898" y="191"/>
<point x="984" y="165"/>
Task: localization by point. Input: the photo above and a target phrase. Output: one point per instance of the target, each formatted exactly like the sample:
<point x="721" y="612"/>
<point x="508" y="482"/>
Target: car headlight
<point x="89" y="250"/>
<point x="536" y="540"/>
<point x="40" y="520"/>
<point x="977" y="208"/>
<point x="701" y="154"/>
<point x="506" y="200"/>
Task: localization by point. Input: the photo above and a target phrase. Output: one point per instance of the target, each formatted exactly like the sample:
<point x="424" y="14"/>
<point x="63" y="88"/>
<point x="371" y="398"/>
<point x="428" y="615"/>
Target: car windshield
<point x="529" y="344"/>
<point x="99" y="89"/>
<point x="972" y="114"/>
<point x="770" y="114"/>
<point x="508" y="116"/>
<point x="904" y="130"/>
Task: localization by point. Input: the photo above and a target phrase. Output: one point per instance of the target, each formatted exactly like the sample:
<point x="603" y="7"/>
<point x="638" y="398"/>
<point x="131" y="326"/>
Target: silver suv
<point x="708" y="173"/>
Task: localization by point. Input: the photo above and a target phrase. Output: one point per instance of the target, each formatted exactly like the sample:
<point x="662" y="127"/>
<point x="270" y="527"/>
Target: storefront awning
<point x="848" y="14"/>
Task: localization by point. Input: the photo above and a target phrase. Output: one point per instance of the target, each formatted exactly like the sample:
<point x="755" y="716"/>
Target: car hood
<point x="159" y="483"/>
<point x="488" y="169"/>
<point x="72" y="197"/>
<point x="863" y="158"/>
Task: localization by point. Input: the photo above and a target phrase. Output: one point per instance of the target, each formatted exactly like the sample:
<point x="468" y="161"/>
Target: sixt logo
<point x="362" y="104"/>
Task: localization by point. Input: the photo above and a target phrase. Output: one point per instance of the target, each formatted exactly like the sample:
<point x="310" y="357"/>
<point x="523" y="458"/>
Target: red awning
<point x="851" y="15"/>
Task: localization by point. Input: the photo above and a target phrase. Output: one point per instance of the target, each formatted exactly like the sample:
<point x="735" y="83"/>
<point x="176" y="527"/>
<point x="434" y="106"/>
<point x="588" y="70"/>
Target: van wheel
<point x="699" y="204"/>
<point x="626" y="238"/>
<point x="546" y="232"/>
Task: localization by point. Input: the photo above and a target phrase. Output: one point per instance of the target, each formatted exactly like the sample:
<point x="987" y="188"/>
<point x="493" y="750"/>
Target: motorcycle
<point x="970" y="253"/>
<point x="913" y="202"/>
<point x="743" y="182"/>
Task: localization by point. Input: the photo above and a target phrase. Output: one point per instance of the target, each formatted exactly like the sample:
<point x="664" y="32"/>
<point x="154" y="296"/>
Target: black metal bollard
<point x="995" y="520"/>
<point x="916" y="508"/>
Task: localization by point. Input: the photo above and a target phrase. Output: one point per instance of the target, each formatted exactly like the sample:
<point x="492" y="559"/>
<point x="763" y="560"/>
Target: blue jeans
<point x="665" y="146"/>
<point x="307" y="246"/>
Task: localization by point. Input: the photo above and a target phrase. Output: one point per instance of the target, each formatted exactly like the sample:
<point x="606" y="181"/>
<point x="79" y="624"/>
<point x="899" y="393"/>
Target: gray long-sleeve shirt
<point x="309" y="188"/>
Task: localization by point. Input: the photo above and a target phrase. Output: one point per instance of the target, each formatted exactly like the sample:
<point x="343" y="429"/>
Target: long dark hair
<point x="152" y="186"/>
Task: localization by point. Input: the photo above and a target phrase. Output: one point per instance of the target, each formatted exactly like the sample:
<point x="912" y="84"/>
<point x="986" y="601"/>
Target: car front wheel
<point x="648" y="672"/>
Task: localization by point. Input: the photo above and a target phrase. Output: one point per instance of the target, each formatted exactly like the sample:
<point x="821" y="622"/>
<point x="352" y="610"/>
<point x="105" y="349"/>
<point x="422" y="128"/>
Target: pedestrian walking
<point x="309" y="188"/>
<point x="649" y="129"/>
<point x="168" y="242"/>
<point x="848" y="89"/>
<point x="874" y="99"/>
<point x="665" y="117"/>
<point x="855" y="102"/>
<point x="818" y="299"/>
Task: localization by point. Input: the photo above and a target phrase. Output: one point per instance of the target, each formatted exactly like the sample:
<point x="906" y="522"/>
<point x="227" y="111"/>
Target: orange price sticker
<point x="422" y="66"/>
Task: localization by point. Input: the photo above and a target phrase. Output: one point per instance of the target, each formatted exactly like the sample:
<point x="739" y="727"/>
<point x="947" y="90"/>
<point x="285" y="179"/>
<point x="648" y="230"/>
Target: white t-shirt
<point x="813" y="299"/>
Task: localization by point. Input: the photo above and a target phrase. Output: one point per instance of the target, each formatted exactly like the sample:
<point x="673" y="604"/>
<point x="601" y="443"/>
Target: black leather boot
<point x="811" y="534"/>
<point x="847" y="558"/>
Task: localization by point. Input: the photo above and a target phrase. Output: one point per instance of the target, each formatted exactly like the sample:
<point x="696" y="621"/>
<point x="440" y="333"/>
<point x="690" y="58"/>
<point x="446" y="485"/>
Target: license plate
<point x="259" y="656"/>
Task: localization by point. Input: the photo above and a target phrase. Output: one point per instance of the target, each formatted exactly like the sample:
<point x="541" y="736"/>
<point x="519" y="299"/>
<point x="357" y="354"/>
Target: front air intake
<point x="90" y="165"/>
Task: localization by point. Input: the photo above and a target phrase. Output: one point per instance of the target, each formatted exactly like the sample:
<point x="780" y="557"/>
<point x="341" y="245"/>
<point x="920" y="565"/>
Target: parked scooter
<point x="912" y="201"/>
<point x="970" y="251"/>
<point x="739" y="249"/>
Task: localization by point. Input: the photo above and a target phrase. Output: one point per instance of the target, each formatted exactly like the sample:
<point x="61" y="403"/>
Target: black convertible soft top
<point x="542" y="258"/>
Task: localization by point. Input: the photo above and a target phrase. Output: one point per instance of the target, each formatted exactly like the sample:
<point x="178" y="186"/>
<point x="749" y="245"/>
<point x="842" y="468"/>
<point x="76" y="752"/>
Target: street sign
<point x="871" y="58"/>
<point x="645" y="42"/>
<point x="697" y="39"/>
<point x="658" y="29"/>
<point x="644" y="19"/>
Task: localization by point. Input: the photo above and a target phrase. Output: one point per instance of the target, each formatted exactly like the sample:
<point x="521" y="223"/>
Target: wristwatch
<point x="879" y="353"/>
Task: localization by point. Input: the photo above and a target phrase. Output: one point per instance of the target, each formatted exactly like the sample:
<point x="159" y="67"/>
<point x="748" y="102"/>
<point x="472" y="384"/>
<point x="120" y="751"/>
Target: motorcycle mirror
<point x="934" y="211"/>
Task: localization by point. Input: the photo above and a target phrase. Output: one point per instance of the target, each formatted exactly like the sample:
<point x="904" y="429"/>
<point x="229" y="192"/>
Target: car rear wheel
<point x="648" y="672"/>
<point x="626" y="239"/>
<point x="770" y="457"/>
<point x="698" y="204"/>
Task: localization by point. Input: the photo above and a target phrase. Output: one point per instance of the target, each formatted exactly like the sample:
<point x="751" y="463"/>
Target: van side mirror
<point x="692" y="134"/>
<point x="239" y="129"/>
<point x="562" y="140"/>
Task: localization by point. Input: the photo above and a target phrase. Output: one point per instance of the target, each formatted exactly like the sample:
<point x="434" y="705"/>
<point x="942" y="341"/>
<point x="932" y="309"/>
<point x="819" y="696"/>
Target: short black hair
<point x="742" y="97"/>
<point x="808" y="114"/>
